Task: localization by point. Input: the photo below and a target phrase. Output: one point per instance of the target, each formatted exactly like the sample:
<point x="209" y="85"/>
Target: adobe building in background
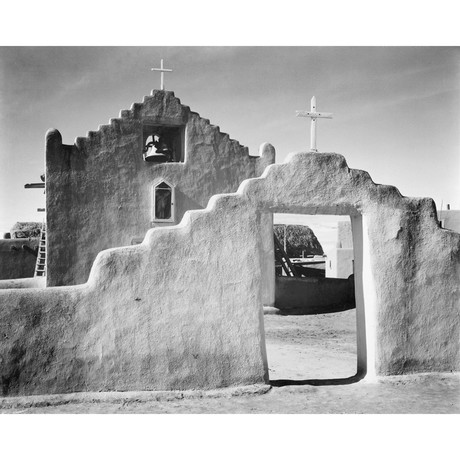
<point x="18" y="251"/>
<point x="340" y="260"/>
<point x="145" y="169"/>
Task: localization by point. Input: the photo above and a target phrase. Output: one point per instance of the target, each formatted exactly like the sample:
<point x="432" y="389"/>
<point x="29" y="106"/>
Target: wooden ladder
<point x="282" y="258"/>
<point x="40" y="266"/>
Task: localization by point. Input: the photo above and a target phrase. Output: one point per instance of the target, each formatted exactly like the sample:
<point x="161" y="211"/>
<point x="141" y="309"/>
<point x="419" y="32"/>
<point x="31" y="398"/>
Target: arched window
<point x="163" y="202"/>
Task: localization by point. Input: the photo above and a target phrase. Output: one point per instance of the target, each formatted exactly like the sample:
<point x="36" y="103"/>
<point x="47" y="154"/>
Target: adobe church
<point x="112" y="186"/>
<point x="160" y="259"/>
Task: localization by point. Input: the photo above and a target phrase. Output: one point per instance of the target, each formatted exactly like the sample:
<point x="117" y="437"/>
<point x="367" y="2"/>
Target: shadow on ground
<point x="321" y="310"/>
<point x="318" y="382"/>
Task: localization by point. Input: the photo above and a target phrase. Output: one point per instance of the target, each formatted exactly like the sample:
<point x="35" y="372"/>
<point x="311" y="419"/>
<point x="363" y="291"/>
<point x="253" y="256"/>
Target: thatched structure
<point x="300" y="239"/>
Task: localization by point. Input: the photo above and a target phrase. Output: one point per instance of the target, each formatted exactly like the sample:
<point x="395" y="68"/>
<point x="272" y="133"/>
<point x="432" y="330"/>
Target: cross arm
<point x="161" y="70"/>
<point x="304" y="113"/>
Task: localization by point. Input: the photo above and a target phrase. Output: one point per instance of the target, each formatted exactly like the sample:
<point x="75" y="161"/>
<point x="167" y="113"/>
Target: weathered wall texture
<point x="155" y="318"/>
<point x="16" y="262"/>
<point x="99" y="191"/>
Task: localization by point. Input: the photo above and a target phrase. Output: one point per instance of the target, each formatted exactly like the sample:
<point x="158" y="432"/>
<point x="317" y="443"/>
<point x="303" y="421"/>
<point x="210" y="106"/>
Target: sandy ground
<point x="312" y="361"/>
<point x="311" y="347"/>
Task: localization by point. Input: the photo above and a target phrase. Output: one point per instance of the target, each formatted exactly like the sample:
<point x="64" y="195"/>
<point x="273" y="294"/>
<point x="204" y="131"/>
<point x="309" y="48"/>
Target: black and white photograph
<point x="223" y="228"/>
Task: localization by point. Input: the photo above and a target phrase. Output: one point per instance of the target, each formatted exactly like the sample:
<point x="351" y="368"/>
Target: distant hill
<point x="298" y="238"/>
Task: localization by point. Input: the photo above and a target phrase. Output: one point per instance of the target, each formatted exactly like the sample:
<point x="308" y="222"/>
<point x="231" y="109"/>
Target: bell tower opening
<point x="163" y="144"/>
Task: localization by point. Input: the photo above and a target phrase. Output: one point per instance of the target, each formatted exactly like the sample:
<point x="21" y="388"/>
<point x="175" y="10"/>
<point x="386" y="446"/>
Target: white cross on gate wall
<point x="313" y="114"/>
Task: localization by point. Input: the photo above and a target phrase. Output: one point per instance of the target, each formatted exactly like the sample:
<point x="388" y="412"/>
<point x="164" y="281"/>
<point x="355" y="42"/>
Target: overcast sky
<point x="396" y="110"/>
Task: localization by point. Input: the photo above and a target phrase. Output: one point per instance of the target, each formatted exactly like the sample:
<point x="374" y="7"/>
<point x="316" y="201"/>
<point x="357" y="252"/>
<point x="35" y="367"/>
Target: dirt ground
<point x="312" y="361"/>
<point x="311" y="346"/>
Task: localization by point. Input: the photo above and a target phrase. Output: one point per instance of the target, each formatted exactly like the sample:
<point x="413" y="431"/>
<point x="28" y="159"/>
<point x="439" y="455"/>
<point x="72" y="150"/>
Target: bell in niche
<point x="157" y="150"/>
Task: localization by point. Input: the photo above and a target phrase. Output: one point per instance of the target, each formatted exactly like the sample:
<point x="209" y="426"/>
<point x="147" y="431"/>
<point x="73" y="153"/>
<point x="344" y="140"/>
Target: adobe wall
<point x="99" y="191"/>
<point x="149" y="317"/>
<point x="16" y="262"/>
<point x="184" y="310"/>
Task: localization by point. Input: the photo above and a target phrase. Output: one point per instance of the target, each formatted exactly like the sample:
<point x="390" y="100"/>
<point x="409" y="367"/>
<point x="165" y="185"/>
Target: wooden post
<point x="285" y="238"/>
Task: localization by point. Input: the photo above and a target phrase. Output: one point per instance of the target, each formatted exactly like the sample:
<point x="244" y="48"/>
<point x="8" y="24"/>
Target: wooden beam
<point x="35" y="185"/>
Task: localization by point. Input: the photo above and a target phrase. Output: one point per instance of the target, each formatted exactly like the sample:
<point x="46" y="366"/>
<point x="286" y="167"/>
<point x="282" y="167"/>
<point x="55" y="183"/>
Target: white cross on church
<point x="313" y="114"/>
<point x="162" y="70"/>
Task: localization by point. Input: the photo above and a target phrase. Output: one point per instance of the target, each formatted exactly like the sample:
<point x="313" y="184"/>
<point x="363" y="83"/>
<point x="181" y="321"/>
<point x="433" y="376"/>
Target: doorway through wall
<point x="314" y="332"/>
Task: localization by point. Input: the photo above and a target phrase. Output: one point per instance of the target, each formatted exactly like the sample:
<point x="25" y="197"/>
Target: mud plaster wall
<point x="99" y="191"/>
<point x="16" y="262"/>
<point x="153" y="318"/>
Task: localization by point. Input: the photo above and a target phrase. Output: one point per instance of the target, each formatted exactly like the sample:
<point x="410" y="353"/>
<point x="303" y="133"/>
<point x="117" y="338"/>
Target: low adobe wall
<point x="15" y="261"/>
<point x="153" y="318"/>
<point x="305" y="296"/>
<point x="148" y="318"/>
